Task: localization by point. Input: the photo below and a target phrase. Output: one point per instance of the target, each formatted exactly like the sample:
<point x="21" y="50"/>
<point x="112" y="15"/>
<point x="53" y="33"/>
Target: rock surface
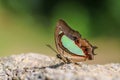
<point x="40" y="67"/>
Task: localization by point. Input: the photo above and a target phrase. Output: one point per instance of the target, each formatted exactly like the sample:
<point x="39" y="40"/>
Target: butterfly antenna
<point x="51" y="48"/>
<point x="54" y="51"/>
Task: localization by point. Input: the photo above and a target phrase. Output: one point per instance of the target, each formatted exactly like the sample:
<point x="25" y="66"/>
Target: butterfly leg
<point x="61" y="57"/>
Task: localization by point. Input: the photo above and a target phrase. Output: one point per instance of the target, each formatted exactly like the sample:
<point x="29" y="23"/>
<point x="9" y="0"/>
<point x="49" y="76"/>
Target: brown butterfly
<point x="70" y="45"/>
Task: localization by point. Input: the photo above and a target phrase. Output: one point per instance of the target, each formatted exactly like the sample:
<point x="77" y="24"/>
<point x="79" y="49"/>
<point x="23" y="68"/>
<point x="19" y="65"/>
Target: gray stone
<point x="40" y="67"/>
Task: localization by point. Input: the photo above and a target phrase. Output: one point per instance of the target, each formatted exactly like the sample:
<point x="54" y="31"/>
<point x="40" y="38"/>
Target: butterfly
<point x="70" y="45"/>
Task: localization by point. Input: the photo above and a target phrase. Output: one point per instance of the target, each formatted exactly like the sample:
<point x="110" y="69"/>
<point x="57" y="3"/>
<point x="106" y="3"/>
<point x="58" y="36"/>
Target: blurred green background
<point x="28" y="25"/>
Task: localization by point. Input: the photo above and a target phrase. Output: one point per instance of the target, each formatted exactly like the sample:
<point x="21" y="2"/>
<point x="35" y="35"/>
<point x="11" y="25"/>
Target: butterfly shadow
<point x="53" y="66"/>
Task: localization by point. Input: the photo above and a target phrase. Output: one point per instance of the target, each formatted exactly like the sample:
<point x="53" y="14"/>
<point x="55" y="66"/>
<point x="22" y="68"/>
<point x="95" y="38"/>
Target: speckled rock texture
<point x="40" y="67"/>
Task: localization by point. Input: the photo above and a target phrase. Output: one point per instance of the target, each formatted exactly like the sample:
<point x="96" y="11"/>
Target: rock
<point x="40" y="67"/>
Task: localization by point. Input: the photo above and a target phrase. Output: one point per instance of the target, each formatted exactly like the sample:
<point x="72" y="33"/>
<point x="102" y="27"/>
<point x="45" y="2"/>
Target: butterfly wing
<point x="70" y="46"/>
